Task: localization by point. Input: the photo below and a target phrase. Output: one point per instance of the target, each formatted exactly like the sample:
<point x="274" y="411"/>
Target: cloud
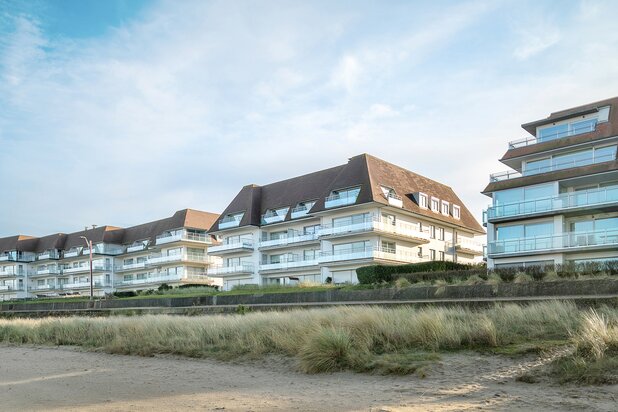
<point x="189" y="101"/>
<point x="534" y="40"/>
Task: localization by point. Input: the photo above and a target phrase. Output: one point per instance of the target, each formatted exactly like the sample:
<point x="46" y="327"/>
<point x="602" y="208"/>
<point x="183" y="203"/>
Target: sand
<point x="70" y="379"/>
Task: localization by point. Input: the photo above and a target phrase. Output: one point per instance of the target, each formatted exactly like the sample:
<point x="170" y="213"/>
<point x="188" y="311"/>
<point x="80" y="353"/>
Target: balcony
<point x="136" y="248"/>
<point x="50" y="254"/>
<point x="85" y="268"/>
<point x="586" y="161"/>
<point x="565" y="202"/>
<point x="272" y="218"/>
<point x="343" y="199"/>
<point x="467" y="246"/>
<point x="409" y="231"/>
<point x="156" y="279"/>
<point x="18" y="257"/>
<point x="229" y="221"/>
<point x="183" y="236"/>
<point x="395" y="200"/>
<point x="48" y="271"/>
<point x="131" y="266"/>
<point x="12" y="271"/>
<point x="289" y="240"/>
<point x="576" y="241"/>
<point x="584" y="128"/>
<point x="289" y="265"/>
<point x="83" y="285"/>
<point x="181" y="257"/>
<point x="374" y="253"/>
<point x="240" y="246"/>
<point x="43" y="287"/>
<point x="235" y="270"/>
<point x="300" y="211"/>
<point x="73" y="253"/>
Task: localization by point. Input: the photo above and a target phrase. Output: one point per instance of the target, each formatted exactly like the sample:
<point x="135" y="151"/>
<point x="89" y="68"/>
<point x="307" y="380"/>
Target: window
<point x="456" y="212"/>
<point x="127" y="278"/>
<point x="441" y="255"/>
<point x="231" y="220"/>
<point x="422" y="200"/>
<point x="275" y="215"/>
<point x="389" y="219"/>
<point x="307" y="230"/>
<point x="445" y="208"/>
<point x="309" y="254"/>
<point x="432" y="254"/>
<point x="537" y="166"/>
<point x="440" y="233"/>
<point x="435" y="204"/>
<point x="432" y="231"/>
<point x="342" y="197"/>
<point x="354" y="247"/>
<point x="388" y="247"/>
<point x="420" y="251"/>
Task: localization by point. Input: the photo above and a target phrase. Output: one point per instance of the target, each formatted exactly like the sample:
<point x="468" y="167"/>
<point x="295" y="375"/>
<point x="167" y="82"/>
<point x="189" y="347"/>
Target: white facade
<point x="333" y="244"/>
<point x="176" y="257"/>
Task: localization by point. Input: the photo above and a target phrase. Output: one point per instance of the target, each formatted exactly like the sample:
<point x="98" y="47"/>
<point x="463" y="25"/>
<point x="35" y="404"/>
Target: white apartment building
<point x="559" y="201"/>
<point x="171" y="251"/>
<point x="328" y="223"/>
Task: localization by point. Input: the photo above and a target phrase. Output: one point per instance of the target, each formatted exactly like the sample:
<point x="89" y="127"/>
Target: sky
<point x="121" y="112"/>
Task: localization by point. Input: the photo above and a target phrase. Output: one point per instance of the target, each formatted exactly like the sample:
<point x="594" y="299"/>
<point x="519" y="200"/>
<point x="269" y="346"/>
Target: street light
<point x="89" y="244"/>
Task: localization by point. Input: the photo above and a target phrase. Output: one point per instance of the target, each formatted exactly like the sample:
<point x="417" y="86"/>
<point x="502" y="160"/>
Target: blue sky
<point x="120" y="112"/>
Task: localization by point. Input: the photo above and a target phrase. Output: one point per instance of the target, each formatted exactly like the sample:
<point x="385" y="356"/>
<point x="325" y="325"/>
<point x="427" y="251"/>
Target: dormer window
<point x="342" y="197"/>
<point x="456" y="212"/>
<point x="275" y="215"/>
<point x="423" y="201"/>
<point x="231" y="220"/>
<point x="302" y="208"/>
<point x="393" y="198"/>
<point x="435" y="204"/>
<point x="445" y="208"/>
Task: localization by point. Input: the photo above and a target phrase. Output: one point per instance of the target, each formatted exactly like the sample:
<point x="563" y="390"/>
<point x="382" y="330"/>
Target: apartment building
<point x="326" y="224"/>
<point x="170" y="250"/>
<point x="559" y="201"/>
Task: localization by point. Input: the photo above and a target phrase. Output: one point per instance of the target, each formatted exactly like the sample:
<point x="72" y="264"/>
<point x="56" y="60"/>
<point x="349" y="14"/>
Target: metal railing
<point x="566" y="240"/>
<point x="565" y="201"/>
<point x="558" y="135"/>
<point x="512" y="174"/>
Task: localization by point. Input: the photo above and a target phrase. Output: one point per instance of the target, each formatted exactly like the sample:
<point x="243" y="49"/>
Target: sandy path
<point x="68" y="379"/>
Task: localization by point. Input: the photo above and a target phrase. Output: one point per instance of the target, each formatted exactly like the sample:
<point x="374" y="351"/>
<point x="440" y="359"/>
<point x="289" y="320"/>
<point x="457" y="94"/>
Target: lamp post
<point x="89" y="244"/>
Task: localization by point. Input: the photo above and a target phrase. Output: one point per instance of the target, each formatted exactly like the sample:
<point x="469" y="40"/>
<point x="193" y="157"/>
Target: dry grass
<point x="381" y="340"/>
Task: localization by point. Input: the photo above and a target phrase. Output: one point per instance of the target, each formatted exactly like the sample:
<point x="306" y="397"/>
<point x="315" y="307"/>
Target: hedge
<point x="386" y="273"/>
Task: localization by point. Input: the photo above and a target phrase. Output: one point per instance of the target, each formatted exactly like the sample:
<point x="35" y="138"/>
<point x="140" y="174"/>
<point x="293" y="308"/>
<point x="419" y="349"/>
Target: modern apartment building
<point x="171" y="251"/>
<point x="328" y="223"/>
<point x="559" y="201"/>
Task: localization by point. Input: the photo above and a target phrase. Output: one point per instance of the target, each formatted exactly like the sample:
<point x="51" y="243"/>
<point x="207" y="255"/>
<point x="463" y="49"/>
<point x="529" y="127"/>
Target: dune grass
<point x="398" y="340"/>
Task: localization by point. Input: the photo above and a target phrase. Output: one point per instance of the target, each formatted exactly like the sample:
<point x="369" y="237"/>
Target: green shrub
<point x="386" y="273"/>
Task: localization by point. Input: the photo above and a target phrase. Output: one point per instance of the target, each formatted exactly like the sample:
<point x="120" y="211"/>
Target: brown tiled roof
<point x="365" y="171"/>
<point x="602" y="131"/>
<point x="187" y="218"/>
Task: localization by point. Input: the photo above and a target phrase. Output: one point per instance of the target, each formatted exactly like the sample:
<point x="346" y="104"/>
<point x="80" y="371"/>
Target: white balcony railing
<point x="43" y="287"/>
<point x="85" y="268"/>
<point x="156" y="279"/>
<point x="181" y="257"/>
<point x="242" y="269"/>
<point x="48" y="271"/>
<point x="243" y="244"/>
<point x="73" y="253"/>
<point x="292" y="264"/>
<point x="395" y="200"/>
<point x="560" y="165"/>
<point x="567" y="240"/>
<point x="136" y="248"/>
<point x="288" y="240"/>
<point x="131" y="266"/>
<point x="565" y="201"/>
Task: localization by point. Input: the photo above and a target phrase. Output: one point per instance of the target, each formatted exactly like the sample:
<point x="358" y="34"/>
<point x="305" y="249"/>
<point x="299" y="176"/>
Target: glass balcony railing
<point x="466" y="245"/>
<point x="567" y="240"/>
<point x="288" y="240"/>
<point x="375" y="223"/>
<point x="369" y="253"/>
<point x="560" y="203"/>
<point x="229" y="221"/>
<point x="559" y="165"/>
<point x="182" y="235"/>
<point x="342" y="199"/>
<point x="243" y="244"/>
<point x="291" y="264"/>
<point x="579" y="129"/>
<point x="300" y="211"/>
<point x="234" y="270"/>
